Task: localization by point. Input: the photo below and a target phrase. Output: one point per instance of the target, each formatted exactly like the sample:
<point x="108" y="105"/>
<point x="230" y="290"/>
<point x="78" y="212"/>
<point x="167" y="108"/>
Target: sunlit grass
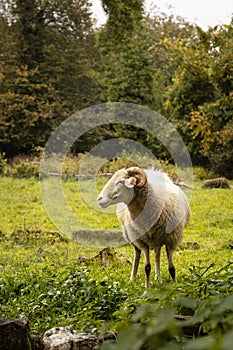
<point x="24" y="262"/>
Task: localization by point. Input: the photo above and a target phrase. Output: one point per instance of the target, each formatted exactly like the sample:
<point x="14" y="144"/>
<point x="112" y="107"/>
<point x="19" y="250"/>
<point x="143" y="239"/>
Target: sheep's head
<point x="120" y="188"/>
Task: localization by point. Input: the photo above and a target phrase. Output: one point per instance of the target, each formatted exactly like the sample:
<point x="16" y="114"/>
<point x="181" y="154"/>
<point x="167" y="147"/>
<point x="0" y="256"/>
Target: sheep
<point x="153" y="212"/>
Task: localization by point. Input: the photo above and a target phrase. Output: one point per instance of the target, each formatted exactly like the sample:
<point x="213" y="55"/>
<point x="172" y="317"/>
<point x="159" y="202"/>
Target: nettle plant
<point x="60" y="296"/>
<point x="197" y="313"/>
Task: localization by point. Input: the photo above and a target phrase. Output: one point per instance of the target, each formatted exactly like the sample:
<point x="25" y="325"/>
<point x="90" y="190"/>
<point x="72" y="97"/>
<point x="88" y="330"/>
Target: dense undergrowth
<point x="55" y="282"/>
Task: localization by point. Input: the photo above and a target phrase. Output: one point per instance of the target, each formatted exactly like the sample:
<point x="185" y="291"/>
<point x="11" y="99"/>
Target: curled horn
<point x="139" y="175"/>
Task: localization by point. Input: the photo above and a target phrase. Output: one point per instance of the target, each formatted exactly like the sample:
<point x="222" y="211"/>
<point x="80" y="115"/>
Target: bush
<point x="201" y="173"/>
<point x="24" y="170"/>
<point x="86" y="164"/>
<point x="3" y="163"/>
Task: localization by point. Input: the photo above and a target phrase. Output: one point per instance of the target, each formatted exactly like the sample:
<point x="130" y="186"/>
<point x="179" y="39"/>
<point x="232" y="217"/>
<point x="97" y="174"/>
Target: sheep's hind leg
<point x="171" y="267"/>
<point x="137" y="254"/>
<point x="157" y="251"/>
<point x="147" y="266"/>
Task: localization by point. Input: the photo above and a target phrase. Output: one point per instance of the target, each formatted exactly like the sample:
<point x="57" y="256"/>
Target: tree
<point x="27" y="99"/>
<point x="72" y="54"/>
<point x="126" y="66"/>
<point x="212" y="122"/>
<point x="126" y="72"/>
<point x="29" y="33"/>
<point x="199" y="100"/>
<point x="48" y="63"/>
<point x="162" y="31"/>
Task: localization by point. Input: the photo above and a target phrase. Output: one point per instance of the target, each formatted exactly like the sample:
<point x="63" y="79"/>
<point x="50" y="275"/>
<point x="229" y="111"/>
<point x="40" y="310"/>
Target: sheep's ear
<point x="131" y="182"/>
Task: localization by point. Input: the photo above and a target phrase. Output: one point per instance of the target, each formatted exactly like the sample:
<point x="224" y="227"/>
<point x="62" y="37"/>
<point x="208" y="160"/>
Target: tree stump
<point x="14" y="334"/>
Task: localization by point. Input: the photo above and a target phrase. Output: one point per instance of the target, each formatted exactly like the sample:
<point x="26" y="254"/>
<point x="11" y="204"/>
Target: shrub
<point x="25" y="169"/>
<point x="3" y="163"/>
<point x="201" y="173"/>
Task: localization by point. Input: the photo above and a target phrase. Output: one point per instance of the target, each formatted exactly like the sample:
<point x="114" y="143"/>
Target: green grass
<point x="43" y="278"/>
<point x="21" y="204"/>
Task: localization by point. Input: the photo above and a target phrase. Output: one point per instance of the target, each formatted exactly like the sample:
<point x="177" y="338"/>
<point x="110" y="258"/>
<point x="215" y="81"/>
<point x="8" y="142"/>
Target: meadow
<point x="57" y="282"/>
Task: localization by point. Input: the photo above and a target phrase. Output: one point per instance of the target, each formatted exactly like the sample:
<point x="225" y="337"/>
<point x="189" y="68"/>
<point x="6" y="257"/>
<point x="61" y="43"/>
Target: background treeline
<point x="54" y="62"/>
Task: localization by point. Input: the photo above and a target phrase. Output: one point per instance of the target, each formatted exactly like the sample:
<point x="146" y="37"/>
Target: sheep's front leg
<point x="137" y="254"/>
<point x="147" y="267"/>
<point x="157" y="263"/>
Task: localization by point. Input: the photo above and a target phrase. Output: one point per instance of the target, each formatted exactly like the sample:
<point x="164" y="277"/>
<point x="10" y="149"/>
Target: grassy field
<point x="57" y="283"/>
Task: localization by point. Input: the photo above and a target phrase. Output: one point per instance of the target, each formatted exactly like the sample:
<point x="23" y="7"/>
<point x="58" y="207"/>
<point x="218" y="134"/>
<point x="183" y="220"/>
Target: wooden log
<point x="219" y="182"/>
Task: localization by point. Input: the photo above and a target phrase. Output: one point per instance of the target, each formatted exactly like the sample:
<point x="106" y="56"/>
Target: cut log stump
<point x="14" y="334"/>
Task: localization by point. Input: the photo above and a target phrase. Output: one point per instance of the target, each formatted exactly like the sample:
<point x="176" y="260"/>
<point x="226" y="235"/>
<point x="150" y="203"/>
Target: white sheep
<point x="154" y="213"/>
